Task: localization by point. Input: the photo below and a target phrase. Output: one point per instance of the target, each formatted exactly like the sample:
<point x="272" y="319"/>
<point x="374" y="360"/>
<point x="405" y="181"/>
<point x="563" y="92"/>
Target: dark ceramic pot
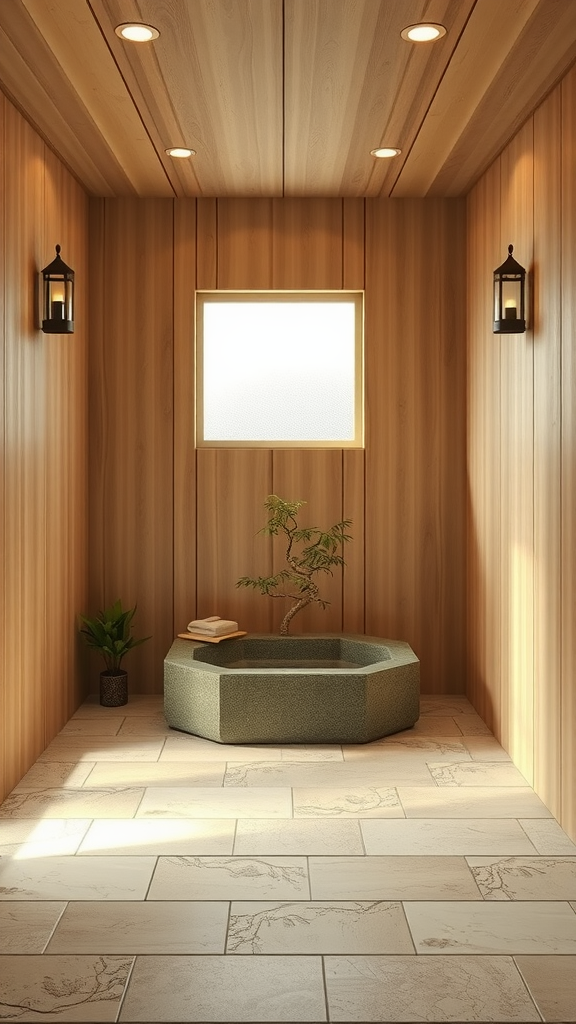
<point x="113" y="688"/>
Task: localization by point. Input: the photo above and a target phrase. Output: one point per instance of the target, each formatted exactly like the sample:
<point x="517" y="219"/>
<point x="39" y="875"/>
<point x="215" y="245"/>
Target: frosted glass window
<point x="279" y="369"/>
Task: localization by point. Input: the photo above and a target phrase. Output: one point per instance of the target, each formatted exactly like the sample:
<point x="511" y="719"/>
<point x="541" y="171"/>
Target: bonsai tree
<point x="308" y="551"/>
<point x="110" y="633"/>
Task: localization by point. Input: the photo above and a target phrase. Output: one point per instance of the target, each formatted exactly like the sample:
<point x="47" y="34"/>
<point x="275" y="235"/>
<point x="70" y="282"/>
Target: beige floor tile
<point x="181" y="747"/>
<point x="450" y="748"/>
<point x="138" y="725"/>
<point x="230" y="878"/>
<point x="76" y="878"/>
<point x="144" y="773"/>
<point x="433" y="725"/>
<point x="30" y="838"/>
<point x="445" y="705"/>
<point x="27" y="927"/>
<point x="106" y="802"/>
<point x="55" y="775"/>
<point x="96" y="711"/>
<point x="335" y="927"/>
<point x="148" y="927"/>
<point x="391" y="878"/>
<point x="90" y="727"/>
<point x="506" y="928"/>
<point x="75" y="989"/>
<point x="395" y="758"/>
<point x="485" y="748"/>
<point x="525" y="878"/>
<point x="221" y="988"/>
<point x="548" y="838"/>
<point x="458" y="836"/>
<point x="109" y="748"/>
<point x="330" y="776"/>
<point x="471" y="802"/>
<point x="382" y="802"/>
<point x="138" y="704"/>
<point x="183" y="802"/>
<point x="311" y="752"/>
<point x="471" y="725"/>
<point x="307" y="836"/>
<point x="477" y="773"/>
<point x="552" y="984"/>
<point x="142" y="836"/>
<point x="401" y="988"/>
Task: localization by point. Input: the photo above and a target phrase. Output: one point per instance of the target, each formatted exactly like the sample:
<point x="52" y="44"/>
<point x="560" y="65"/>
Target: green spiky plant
<point x="109" y="632"/>
<point x="309" y="551"/>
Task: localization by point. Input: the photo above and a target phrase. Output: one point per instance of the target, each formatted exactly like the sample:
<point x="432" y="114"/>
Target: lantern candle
<point x="510" y="312"/>
<point x="57" y="310"/>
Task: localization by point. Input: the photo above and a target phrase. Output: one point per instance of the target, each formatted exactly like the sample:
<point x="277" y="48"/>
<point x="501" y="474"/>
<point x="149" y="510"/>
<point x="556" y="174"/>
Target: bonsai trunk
<point x="291" y="613"/>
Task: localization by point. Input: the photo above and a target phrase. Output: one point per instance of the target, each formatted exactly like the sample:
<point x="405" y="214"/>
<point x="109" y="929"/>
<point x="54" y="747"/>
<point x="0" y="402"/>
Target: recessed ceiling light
<point x="423" y="33"/>
<point x="136" y="32"/>
<point x="181" y="152"/>
<point x="385" y="152"/>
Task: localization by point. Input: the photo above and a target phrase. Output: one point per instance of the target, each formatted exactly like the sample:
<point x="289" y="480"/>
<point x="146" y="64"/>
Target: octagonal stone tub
<point x="294" y="689"/>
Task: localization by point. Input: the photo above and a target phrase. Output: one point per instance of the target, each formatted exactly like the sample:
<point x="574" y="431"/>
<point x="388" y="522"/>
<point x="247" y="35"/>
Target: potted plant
<point x="110" y="633"/>
<point x="318" y="553"/>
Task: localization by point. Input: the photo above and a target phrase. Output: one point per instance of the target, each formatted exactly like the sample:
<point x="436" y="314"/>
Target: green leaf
<point x="110" y="633"/>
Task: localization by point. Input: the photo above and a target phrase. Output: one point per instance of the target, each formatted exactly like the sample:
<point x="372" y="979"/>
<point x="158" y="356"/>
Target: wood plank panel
<point x="3" y="539"/>
<point x="206" y="243"/>
<point x="353" y="243"/>
<point x="245" y="243"/>
<point x="353" y="577"/>
<point x="353" y="461"/>
<point x="24" y="413"/>
<point x="66" y="457"/>
<point x="517" y="468"/>
<point x="484" y="674"/>
<point x="547" y="452"/>
<point x="307" y="243"/>
<point x="44" y="455"/>
<point x="415" y="450"/>
<point x="131" y="382"/>
<point x="232" y="484"/>
<point x="184" y="384"/>
<point x="568" y="706"/>
<point x="313" y="476"/>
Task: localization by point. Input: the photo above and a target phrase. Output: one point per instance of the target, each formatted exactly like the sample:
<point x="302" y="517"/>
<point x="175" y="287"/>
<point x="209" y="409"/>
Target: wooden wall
<point x="43" y="474"/>
<point x="172" y="528"/>
<point x="522" y="456"/>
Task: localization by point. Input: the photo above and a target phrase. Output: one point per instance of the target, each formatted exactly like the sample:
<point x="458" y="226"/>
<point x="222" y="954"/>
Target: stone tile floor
<point x="147" y="875"/>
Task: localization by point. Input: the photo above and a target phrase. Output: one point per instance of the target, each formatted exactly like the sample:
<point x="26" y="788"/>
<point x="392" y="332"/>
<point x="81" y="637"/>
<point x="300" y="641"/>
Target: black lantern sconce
<point x="510" y="297"/>
<point x="57" y="297"/>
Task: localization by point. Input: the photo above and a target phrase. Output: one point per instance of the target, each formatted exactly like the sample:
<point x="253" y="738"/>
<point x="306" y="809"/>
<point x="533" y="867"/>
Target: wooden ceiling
<point x="281" y="97"/>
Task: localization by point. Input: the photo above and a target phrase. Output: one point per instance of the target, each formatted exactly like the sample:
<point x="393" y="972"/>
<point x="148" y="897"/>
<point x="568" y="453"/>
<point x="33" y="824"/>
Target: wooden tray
<point x="210" y="639"/>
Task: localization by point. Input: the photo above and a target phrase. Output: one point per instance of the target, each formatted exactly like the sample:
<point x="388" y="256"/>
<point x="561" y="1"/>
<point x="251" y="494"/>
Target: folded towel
<point x="212" y="626"/>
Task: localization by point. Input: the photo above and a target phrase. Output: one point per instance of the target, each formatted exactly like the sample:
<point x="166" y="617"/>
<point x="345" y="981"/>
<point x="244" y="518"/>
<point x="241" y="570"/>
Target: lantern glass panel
<point x="510" y="299"/>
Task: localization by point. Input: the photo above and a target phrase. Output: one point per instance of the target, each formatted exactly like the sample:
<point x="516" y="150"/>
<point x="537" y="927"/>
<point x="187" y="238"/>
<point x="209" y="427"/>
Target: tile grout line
<point x="325" y="986"/>
<point x="153" y="872"/>
<point x="125" y="989"/>
<point x="526" y="986"/>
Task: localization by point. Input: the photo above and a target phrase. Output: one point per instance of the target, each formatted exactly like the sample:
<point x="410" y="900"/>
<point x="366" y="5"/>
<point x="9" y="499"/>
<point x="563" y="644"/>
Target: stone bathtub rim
<point x="399" y="651"/>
